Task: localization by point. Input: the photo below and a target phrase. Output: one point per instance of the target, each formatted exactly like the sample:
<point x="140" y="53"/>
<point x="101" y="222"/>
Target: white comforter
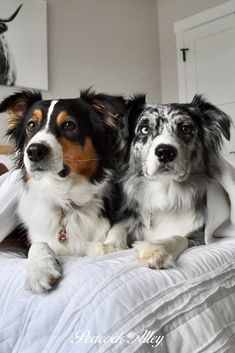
<point x="192" y="306"/>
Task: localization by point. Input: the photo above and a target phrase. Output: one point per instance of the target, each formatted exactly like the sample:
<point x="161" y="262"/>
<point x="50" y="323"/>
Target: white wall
<point x="170" y="11"/>
<point x="111" y="44"/>
<point x="114" y="44"/>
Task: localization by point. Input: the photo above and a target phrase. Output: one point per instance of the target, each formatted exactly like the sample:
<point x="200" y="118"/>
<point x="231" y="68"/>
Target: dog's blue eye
<point x="69" y="125"/>
<point x="145" y="130"/>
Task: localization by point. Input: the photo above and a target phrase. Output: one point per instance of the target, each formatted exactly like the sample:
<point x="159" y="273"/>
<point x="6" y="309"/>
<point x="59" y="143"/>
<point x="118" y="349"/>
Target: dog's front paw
<point x="104" y="249"/>
<point x="99" y="249"/>
<point x="109" y="248"/>
<point x="42" y="274"/>
<point x="153" y="255"/>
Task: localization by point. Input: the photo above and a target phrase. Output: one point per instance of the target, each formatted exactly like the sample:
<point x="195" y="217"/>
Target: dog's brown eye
<point x="31" y="125"/>
<point x="69" y="125"/>
<point x="145" y="130"/>
<point x="186" y="129"/>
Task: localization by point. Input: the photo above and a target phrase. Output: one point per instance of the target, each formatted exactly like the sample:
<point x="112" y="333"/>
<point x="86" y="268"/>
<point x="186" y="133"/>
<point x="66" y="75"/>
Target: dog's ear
<point x="109" y="107"/>
<point x="215" y="120"/>
<point x="136" y="102"/>
<point x="134" y="107"/>
<point x="17" y="105"/>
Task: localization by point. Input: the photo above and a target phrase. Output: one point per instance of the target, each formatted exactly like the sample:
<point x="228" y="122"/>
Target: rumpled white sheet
<point x="191" y="305"/>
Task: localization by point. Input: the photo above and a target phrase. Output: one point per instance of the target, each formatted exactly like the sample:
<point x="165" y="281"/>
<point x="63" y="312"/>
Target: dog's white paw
<point x="109" y="248"/>
<point x="99" y="249"/>
<point x="154" y="256"/>
<point x="117" y="238"/>
<point x="104" y="249"/>
<point x="42" y="274"/>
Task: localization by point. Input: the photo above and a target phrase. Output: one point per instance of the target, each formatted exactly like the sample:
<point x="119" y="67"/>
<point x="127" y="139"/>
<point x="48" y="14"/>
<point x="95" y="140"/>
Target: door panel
<point x="210" y="65"/>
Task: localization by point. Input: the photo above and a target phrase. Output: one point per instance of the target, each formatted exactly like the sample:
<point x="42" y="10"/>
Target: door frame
<point x="191" y="22"/>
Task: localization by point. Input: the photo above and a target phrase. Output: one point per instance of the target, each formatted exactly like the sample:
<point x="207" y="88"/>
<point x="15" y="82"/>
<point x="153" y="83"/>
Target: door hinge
<point x="184" y="50"/>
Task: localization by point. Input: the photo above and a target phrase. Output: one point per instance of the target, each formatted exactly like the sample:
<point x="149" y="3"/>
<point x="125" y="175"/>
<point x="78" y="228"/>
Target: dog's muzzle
<point x="165" y="153"/>
<point x="44" y="154"/>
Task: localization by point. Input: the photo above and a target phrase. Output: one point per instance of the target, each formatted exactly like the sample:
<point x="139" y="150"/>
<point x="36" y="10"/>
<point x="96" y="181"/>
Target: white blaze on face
<point x="50" y="110"/>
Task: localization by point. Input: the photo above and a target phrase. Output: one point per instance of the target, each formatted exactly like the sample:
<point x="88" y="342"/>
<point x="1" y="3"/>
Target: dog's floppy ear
<point x="109" y="107"/>
<point x="135" y="106"/>
<point x="17" y="105"/>
<point x="215" y="120"/>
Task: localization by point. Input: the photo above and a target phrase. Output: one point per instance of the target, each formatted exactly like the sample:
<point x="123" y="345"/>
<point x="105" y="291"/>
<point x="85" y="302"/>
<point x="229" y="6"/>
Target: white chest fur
<point x="163" y="225"/>
<point x="167" y="208"/>
<point x="41" y="205"/>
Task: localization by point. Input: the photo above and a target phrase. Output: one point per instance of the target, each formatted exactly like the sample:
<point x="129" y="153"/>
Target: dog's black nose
<point x="37" y="152"/>
<point x="166" y="153"/>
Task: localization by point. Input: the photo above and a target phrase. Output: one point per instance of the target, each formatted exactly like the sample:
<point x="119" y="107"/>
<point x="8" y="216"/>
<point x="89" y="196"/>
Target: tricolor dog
<point x="172" y="152"/>
<point x="65" y="149"/>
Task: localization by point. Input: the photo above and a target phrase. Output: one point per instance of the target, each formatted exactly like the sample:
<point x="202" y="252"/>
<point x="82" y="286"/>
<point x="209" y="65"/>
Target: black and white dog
<point x="173" y="151"/>
<point x="66" y="152"/>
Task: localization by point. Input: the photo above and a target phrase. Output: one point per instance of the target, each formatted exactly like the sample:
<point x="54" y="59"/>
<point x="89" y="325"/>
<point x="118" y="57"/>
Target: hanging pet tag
<point x="62" y="235"/>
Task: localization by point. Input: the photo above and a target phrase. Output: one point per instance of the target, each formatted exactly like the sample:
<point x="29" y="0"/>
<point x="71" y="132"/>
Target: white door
<point x="209" y="66"/>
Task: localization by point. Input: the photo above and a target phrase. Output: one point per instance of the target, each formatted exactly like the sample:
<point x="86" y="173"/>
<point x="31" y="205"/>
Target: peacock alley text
<point x="141" y="337"/>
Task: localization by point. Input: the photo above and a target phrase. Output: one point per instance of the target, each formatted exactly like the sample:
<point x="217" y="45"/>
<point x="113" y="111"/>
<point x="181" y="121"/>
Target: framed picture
<point x="23" y="43"/>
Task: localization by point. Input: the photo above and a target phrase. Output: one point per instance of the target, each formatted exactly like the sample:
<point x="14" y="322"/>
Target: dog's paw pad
<point x="153" y="256"/>
<point x="43" y="276"/>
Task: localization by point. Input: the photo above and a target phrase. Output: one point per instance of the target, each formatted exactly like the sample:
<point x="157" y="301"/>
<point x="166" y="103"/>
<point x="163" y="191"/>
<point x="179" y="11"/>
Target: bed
<point x="189" y="308"/>
<point x="114" y="304"/>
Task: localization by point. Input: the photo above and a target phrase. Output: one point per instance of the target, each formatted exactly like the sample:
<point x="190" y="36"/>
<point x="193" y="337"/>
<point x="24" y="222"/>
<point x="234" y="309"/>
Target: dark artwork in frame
<point x="23" y="43"/>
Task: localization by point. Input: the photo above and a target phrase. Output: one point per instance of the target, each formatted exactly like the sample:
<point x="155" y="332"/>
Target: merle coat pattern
<point x="172" y="152"/>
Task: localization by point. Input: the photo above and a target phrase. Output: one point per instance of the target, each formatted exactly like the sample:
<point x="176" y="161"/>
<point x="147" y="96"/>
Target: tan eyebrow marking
<point x="37" y="114"/>
<point x="61" y="118"/>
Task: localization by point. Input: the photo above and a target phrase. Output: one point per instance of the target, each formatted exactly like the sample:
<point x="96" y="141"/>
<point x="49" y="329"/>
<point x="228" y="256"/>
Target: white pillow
<point x="7" y="160"/>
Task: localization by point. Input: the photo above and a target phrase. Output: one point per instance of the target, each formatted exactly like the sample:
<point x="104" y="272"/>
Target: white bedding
<point x="192" y="305"/>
